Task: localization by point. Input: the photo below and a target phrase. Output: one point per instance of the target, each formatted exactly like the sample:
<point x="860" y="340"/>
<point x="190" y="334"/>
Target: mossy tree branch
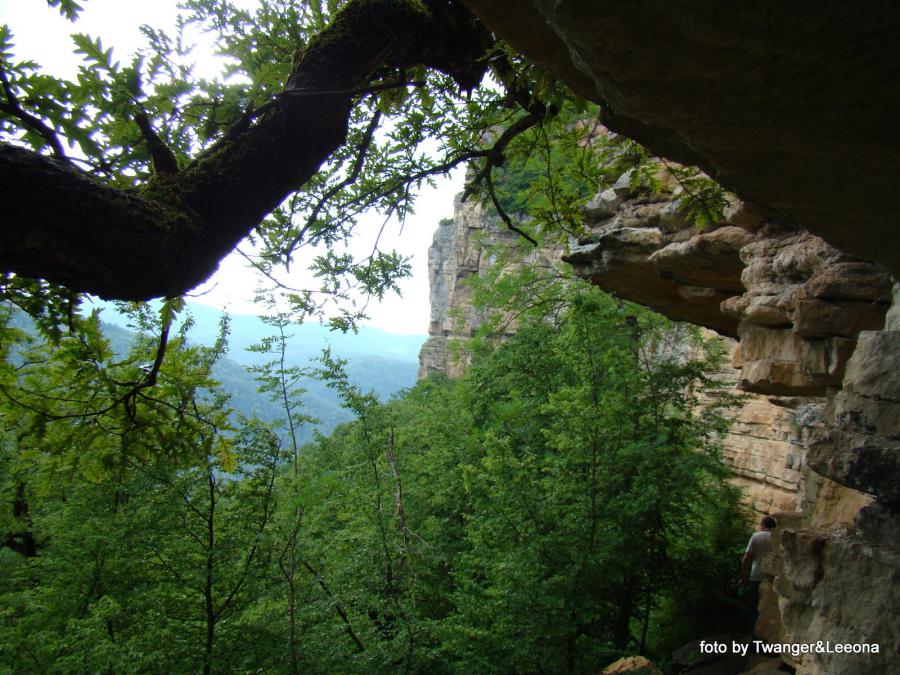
<point x="166" y="237"/>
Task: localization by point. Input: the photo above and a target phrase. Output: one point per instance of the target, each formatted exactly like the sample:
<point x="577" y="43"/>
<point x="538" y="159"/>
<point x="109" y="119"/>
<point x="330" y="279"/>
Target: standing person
<point x="757" y="547"/>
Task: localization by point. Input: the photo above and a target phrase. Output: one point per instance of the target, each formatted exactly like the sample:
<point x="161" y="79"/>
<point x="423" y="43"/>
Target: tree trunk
<point x="292" y="608"/>
<point x="622" y="634"/>
<point x="210" y="561"/>
<point x="23" y="541"/>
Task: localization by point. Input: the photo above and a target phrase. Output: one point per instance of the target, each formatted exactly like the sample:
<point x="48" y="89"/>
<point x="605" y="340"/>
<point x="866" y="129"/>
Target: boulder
<point x="633" y="665"/>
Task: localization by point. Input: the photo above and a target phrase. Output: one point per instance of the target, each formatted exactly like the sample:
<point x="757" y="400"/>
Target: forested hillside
<point x="378" y="361"/>
<point x="561" y="504"/>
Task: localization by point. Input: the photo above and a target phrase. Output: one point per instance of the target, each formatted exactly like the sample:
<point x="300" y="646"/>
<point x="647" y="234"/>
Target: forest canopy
<point x="562" y="504"/>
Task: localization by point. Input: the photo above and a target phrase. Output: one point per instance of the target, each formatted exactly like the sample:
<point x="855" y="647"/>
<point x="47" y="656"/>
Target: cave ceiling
<point x="793" y="107"/>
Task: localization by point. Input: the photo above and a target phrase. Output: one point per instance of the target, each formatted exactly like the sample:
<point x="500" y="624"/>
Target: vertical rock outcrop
<point x="764" y="449"/>
<point x="818" y="339"/>
<point x="455" y="258"/>
<point x="464" y="249"/>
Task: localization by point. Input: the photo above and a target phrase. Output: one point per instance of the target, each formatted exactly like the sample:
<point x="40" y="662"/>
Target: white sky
<point x="42" y="35"/>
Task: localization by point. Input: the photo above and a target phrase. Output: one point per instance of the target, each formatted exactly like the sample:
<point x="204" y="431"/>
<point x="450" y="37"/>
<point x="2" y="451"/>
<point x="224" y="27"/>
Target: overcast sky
<point x="42" y="35"/>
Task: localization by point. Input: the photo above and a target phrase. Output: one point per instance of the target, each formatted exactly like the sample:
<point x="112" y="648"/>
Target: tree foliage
<point x="561" y="504"/>
<point x="327" y="110"/>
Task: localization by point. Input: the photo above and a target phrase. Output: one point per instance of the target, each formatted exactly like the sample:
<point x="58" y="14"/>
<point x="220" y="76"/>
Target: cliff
<point x="815" y="346"/>
<point x="765" y="446"/>
<point x="458" y="251"/>
<point x="464" y="248"/>
<point x="817" y="339"/>
<point x="794" y="112"/>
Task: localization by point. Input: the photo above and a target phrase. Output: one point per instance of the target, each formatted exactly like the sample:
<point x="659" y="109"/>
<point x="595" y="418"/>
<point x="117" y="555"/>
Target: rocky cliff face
<point x="455" y="257"/>
<point x="815" y="337"/>
<point x="463" y="250"/>
<point x="796" y="304"/>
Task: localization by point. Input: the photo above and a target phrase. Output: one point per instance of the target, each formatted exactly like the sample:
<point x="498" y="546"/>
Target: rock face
<point x="454" y="258"/>
<point x="816" y="342"/>
<point x="764" y="448"/>
<point x="796" y="303"/>
<point x="819" y="336"/>
<point x="831" y="584"/>
<point x="793" y="110"/>
<point x="463" y="250"/>
<point x="861" y="445"/>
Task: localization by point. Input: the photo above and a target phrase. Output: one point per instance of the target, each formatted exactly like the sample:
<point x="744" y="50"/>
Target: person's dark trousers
<point x="753" y="602"/>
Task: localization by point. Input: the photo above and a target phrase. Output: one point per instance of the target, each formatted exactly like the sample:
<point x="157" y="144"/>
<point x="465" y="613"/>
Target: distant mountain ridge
<point x="307" y="341"/>
<point x="377" y="361"/>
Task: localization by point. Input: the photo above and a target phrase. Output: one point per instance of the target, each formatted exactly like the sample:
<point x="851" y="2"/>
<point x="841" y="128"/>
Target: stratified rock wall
<point x="819" y="342"/>
<point x="455" y="258"/>
<point x="764" y="449"/>
<point x="795" y="303"/>
<point x="463" y="249"/>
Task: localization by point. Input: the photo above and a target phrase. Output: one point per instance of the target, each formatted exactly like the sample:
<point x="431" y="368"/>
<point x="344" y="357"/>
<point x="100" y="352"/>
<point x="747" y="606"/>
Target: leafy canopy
<point x="130" y="123"/>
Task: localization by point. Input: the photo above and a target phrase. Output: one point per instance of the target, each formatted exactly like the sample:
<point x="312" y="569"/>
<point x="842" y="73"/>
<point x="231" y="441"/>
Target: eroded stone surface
<point x="834" y="586"/>
<point x="709" y="260"/>
<point x="795" y="302"/>
<point x="462" y="250"/>
<point x="791" y="109"/>
<point x="765" y="451"/>
<point x="861" y="446"/>
<point x="645" y="250"/>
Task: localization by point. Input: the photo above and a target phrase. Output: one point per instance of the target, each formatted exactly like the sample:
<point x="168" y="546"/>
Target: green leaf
<point x="169" y="310"/>
<point x="6" y="43"/>
<point x="68" y="8"/>
<point x="93" y="52"/>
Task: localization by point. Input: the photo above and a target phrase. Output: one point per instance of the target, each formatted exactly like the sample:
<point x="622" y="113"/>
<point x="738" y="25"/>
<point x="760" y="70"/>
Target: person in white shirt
<point x="757" y="547"/>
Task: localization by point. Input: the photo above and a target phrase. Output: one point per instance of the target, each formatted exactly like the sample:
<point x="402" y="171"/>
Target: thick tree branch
<point x="162" y="240"/>
<point x="336" y="604"/>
